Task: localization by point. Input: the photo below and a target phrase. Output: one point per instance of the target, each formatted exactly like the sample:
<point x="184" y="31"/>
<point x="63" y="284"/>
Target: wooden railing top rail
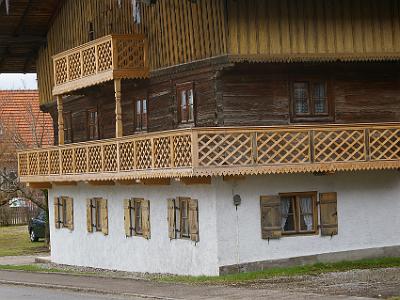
<point x="219" y="151"/>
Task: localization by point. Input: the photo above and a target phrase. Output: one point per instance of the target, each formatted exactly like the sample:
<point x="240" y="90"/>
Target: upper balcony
<point x="218" y="152"/>
<point x="108" y="58"/>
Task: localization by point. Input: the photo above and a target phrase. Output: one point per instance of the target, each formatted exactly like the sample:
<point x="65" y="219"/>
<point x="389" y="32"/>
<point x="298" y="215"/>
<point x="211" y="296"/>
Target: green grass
<point x="14" y="241"/>
<point x="292" y="271"/>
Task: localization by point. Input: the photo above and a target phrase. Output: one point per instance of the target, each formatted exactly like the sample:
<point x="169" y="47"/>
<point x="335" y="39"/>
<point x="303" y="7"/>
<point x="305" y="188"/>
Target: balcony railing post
<point x="118" y="158"/>
<point x="118" y="109"/>
<point x="172" y="155"/>
<point x="60" y="160"/>
<point x="367" y="148"/>
<point x="254" y="152"/>
<point x="60" y="120"/>
<point x="195" y="148"/>
<point x="311" y="146"/>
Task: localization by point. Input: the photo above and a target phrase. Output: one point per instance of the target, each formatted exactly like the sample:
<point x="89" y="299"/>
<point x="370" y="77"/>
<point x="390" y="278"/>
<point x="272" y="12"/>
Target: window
<point x="91" y="31"/>
<point x="67" y="127"/>
<point x="296" y="213"/>
<point x="141" y="114"/>
<point x="63" y="212"/>
<point x="97" y="215"/>
<point x="93" y="124"/>
<point x="137" y="217"/>
<point x="310" y="100"/>
<point x="183" y="218"/>
<point x="185" y="95"/>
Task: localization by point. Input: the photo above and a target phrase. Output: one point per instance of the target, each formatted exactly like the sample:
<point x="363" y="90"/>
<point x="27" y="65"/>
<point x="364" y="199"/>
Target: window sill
<point x="310" y="233"/>
<point x="311" y="119"/>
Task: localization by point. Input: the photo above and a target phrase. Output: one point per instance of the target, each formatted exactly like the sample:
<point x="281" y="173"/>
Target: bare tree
<point x="11" y="140"/>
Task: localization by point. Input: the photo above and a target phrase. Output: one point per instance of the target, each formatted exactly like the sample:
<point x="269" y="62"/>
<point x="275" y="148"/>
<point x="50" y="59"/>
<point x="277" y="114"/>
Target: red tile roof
<point x="19" y="110"/>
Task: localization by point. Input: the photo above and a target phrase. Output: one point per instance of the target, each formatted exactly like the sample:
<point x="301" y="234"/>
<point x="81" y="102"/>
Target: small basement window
<point x="63" y="212"/>
<point x="137" y="217"/>
<point x="97" y="215"/>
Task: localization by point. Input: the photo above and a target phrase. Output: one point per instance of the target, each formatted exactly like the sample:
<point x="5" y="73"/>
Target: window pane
<point x="138" y="115"/>
<point x="306" y="214"/>
<point x="184" y="219"/>
<point x="183" y="106"/>
<point x="138" y="217"/>
<point x="190" y="105"/>
<point x="144" y="115"/>
<point x="319" y="95"/>
<point x="300" y="97"/>
<point x="287" y="212"/>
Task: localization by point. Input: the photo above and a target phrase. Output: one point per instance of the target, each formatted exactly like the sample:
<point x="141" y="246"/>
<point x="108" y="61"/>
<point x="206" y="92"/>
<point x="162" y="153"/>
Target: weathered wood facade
<point x="221" y="64"/>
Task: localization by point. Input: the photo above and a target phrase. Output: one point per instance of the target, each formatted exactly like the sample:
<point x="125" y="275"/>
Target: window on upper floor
<point x="137" y="217"/>
<point x="67" y="127"/>
<point x="91" y="31"/>
<point x="93" y="124"/>
<point x="64" y="212"/>
<point x="296" y="214"/>
<point x="309" y="100"/>
<point x="141" y="108"/>
<point x="183" y="218"/>
<point x="186" y="103"/>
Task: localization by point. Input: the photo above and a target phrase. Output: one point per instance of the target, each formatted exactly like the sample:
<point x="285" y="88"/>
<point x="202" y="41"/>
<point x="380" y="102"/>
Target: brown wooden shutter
<point x="194" y="220"/>
<point x="178" y="218"/>
<point x="271" y="220"/>
<point x="69" y="222"/>
<point x="89" y="221"/>
<point x="171" y="219"/>
<point x="127" y="217"/>
<point x="146" y="218"/>
<point x="56" y="216"/>
<point x="328" y="213"/>
<point x="104" y="216"/>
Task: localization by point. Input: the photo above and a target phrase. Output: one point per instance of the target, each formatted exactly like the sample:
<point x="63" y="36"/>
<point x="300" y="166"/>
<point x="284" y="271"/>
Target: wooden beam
<point x="156" y="181"/>
<point x="195" y="180"/>
<point x="40" y="185"/>
<point x="126" y="182"/>
<point x="118" y="109"/>
<point x="100" y="182"/>
<point x="61" y="137"/>
<point x="8" y="40"/>
<point x="234" y="177"/>
<point x="65" y="183"/>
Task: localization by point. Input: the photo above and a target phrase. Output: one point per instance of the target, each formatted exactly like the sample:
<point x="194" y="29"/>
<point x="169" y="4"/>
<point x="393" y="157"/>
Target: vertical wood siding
<point x="270" y="30"/>
<point x="178" y="31"/>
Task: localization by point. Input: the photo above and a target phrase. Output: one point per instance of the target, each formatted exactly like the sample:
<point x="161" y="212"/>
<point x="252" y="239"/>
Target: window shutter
<point x="104" y="216"/>
<point x="127" y="217"/>
<point x="194" y="220"/>
<point x="146" y="219"/>
<point x="69" y="222"/>
<point x="56" y="216"/>
<point x="177" y="218"/>
<point x="271" y="220"/>
<point x="328" y="212"/>
<point x="171" y="219"/>
<point x="89" y="221"/>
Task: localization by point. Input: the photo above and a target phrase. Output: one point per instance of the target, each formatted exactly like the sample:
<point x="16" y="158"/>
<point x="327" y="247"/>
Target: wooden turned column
<point x="61" y="138"/>
<point x="118" y="108"/>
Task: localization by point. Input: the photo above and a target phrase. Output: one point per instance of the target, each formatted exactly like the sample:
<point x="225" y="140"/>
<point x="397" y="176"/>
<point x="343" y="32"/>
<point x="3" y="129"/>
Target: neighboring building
<point x="206" y="137"/>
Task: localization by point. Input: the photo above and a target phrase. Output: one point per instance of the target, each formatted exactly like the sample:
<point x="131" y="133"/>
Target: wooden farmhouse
<point x="213" y="136"/>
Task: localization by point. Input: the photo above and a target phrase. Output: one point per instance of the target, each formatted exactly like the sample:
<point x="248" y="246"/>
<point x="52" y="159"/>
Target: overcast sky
<point x="18" y="81"/>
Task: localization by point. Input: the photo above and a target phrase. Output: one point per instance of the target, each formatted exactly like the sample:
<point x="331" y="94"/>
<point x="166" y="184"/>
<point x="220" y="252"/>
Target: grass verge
<point x="315" y="269"/>
<point x="14" y="241"/>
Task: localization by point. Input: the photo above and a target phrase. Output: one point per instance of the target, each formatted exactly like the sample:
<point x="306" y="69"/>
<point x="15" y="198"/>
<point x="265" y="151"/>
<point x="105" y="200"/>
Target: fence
<point x="16" y="215"/>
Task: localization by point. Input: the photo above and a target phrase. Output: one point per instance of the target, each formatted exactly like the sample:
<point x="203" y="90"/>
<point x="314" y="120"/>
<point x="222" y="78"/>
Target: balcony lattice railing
<point x="107" y="58"/>
<point x="218" y="151"/>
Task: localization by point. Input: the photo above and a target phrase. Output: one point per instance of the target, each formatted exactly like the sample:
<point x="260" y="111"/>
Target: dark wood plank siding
<point x="260" y="95"/>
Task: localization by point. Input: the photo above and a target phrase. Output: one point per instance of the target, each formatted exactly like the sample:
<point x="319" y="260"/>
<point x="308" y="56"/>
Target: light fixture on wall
<point x="237" y="200"/>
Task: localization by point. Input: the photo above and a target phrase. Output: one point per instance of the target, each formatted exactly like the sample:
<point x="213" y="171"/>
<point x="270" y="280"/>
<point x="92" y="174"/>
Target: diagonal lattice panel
<point x="384" y="144"/>
<point x="110" y="158"/>
<point x="182" y="151"/>
<point x="143" y="154"/>
<point x="23" y="164"/>
<point x="54" y="162"/>
<point x="127" y="156"/>
<point x="225" y="149"/>
<point x="283" y="147"/>
<point x="67" y="161"/>
<point x="43" y="163"/>
<point x="162" y="152"/>
<point x="60" y="70"/>
<point x="95" y="162"/>
<point x="33" y="163"/>
<point x="339" y="145"/>
<point x="74" y="66"/>
<point x="89" y="61"/>
<point x="80" y="160"/>
<point x="130" y="54"/>
<point x="104" y="56"/>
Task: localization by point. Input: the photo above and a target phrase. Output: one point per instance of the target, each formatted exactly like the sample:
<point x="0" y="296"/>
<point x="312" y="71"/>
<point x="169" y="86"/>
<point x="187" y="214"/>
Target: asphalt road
<point x="10" y="292"/>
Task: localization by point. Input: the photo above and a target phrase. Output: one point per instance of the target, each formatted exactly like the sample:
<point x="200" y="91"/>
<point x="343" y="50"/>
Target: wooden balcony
<point x="218" y="151"/>
<point x="107" y="58"/>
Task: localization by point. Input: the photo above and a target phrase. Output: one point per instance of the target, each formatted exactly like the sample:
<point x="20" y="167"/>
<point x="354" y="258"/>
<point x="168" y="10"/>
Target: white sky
<point x="18" y="81"/>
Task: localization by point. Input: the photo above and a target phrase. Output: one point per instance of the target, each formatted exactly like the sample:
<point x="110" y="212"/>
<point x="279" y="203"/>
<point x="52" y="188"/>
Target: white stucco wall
<point x="136" y="254"/>
<point x="368" y="210"/>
